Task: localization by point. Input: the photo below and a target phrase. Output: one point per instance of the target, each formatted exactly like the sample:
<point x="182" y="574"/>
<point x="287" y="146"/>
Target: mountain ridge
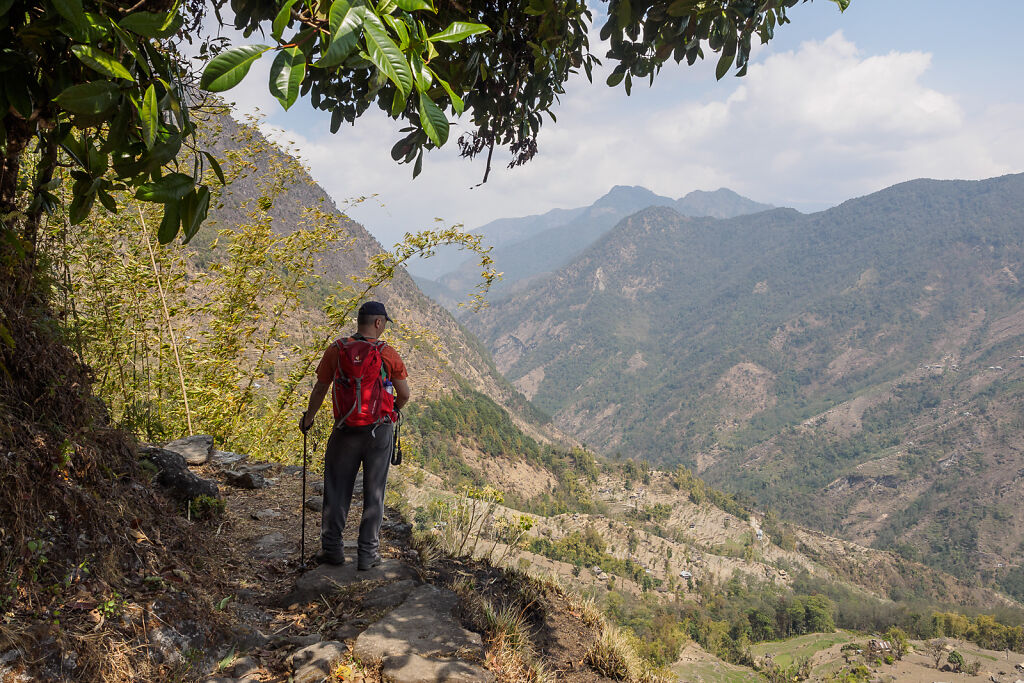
<point x="734" y="331"/>
<point x="541" y="250"/>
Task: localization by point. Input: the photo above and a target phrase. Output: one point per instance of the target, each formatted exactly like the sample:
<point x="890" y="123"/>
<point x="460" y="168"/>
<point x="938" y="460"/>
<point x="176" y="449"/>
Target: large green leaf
<point x="681" y="8"/>
<point x="169" y="224"/>
<point x="92" y="98"/>
<point x="345" y="24"/>
<point x="170" y="188"/>
<point x="414" y="5"/>
<point x="385" y="54"/>
<point x="152" y="25"/>
<point x="81" y="205"/>
<point x="129" y="44"/>
<point x="150" y="115"/>
<point x="101" y="62"/>
<point x="458" y="30"/>
<point x="227" y="69"/>
<point x="724" y="62"/>
<point x="282" y="20"/>
<point x="421" y="73"/>
<point x="339" y="10"/>
<point x="194" y="208"/>
<point x="72" y="11"/>
<point x="5" y="6"/>
<point x="457" y="104"/>
<point x="286" y="74"/>
<point x="433" y="120"/>
<point x="215" y="165"/>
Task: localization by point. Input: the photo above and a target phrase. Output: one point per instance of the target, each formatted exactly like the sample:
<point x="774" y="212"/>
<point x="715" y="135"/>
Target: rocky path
<point x="306" y="623"/>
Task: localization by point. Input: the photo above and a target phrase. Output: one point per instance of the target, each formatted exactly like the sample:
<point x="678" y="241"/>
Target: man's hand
<point x="303" y="426"/>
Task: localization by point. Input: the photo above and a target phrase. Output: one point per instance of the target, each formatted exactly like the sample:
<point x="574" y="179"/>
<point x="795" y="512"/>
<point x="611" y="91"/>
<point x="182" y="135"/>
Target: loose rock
<point x="266" y="514"/>
<point x="245" y="480"/>
<point x="174" y="475"/>
<point x="226" y="458"/>
<point x="315" y="503"/>
<point x="195" y="449"/>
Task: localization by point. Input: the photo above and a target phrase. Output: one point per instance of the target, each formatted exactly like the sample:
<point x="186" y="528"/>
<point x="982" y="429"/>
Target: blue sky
<point x="837" y="106"/>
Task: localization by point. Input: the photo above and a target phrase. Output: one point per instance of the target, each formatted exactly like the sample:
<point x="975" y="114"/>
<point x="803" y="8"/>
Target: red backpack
<point x="359" y="396"/>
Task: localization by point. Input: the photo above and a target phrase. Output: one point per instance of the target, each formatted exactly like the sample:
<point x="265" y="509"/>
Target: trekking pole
<point x="396" y="444"/>
<point x="302" y="543"/>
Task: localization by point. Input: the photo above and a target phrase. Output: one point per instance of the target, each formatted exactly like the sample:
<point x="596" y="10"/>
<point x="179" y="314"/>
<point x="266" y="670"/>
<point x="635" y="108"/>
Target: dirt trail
<point x="400" y="621"/>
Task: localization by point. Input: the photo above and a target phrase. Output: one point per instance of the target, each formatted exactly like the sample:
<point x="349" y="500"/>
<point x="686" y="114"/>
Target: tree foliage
<point x="98" y="94"/>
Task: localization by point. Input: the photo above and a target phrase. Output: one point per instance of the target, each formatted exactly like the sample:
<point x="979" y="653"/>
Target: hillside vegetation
<point x="858" y="370"/>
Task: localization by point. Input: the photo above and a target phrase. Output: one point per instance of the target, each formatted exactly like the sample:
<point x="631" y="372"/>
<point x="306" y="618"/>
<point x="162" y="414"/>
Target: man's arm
<point x="316" y="397"/>
<point x="402" y="392"/>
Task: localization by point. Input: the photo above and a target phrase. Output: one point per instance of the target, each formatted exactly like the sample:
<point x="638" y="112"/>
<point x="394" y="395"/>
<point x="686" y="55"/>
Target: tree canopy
<point x="98" y="93"/>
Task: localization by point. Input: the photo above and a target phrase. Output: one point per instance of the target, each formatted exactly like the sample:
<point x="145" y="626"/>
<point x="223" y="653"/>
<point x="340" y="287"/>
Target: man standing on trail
<point x="363" y="431"/>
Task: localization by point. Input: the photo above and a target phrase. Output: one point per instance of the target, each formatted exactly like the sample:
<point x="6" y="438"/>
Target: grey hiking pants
<point x="346" y="451"/>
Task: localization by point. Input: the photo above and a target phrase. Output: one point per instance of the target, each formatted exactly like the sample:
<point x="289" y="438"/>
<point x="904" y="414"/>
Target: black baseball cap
<point x="374" y="308"/>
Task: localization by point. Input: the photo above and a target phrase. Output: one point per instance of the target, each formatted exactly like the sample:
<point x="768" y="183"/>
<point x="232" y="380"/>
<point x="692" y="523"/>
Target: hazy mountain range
<point x="534" y="245"/>
<point x="859" y="369"/>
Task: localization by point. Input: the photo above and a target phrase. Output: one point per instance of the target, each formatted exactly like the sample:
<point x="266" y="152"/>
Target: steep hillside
<point x="528" y="247"/>
<point x="441" y="353"/>
<point x="859" y="369"/>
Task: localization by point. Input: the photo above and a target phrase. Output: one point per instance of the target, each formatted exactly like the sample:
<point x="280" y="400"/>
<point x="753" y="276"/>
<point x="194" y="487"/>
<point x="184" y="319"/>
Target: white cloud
<point x="807" y="127"/>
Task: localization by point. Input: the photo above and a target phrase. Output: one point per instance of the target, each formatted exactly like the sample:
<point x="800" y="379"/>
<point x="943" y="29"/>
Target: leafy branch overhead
<point x="389" y="47"/>
<point x="505" y="65"/>
<point x="97" y="93"/>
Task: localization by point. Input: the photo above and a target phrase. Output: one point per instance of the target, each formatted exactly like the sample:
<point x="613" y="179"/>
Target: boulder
<point x="174" y="475"/>
<point x="245" y="479"/>
<point x="195" y="449"/>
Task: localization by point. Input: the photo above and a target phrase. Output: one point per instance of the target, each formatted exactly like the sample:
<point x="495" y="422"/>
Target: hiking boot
<point x="335" y="557"/>
<point x="368" y="563"/>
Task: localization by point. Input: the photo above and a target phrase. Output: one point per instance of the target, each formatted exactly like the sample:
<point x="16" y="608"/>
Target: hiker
<point x="363" y="431"/>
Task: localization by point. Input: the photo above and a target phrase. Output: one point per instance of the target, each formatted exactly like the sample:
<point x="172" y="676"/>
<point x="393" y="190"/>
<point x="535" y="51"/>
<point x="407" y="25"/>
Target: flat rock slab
<point x="416" y="669"/>
<point x="325" y="579"/>
<point x="195" y="449"/>
<point x="273" y="546"/>
<point x="389" y="595"/>
<point x="314" y="662"/>
<point x="225" y="458"/>
<point x="423" y="626"/>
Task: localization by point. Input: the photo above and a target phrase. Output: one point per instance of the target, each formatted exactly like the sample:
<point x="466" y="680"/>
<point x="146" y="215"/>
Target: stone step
<point x="421" y="642"/>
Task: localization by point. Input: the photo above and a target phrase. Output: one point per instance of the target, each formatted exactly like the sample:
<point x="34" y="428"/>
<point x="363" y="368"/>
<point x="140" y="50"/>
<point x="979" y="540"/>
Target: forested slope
<point x="859" y="369"/>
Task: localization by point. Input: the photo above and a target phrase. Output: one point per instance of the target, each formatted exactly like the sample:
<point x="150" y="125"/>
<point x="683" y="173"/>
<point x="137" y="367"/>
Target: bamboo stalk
<point x="167" y="319"/>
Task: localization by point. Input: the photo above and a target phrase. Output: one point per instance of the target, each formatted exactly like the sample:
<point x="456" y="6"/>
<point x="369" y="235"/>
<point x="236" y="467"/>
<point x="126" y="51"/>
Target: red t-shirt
<point x="389" y="357"/>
